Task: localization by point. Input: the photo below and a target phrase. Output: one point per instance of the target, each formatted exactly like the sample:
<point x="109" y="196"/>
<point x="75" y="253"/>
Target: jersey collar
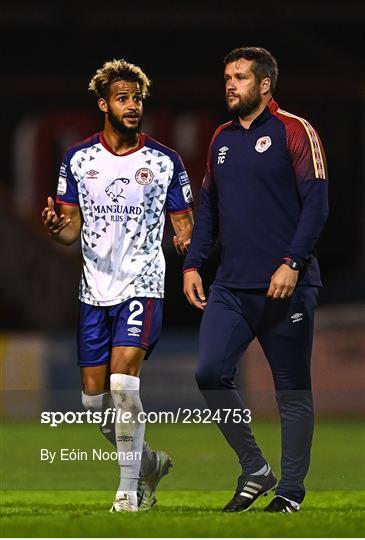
<point x="272" y="106"/>
<point x="141" y="143"/>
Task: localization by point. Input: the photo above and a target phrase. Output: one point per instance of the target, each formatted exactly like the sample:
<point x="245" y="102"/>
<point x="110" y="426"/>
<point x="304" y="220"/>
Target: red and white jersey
<point x="123" y="199"/>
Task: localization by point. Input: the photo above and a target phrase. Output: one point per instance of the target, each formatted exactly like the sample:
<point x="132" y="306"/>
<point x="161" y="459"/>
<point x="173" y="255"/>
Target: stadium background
<point x="50" y="51"/>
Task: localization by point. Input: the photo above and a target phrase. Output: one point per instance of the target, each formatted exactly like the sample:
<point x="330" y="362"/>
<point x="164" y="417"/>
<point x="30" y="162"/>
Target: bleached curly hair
<point x="117" y="70"/>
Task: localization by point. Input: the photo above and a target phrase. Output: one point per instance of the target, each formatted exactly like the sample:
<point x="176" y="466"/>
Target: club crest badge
<point x="144" y="176"/>
<point x="262" y="144"/>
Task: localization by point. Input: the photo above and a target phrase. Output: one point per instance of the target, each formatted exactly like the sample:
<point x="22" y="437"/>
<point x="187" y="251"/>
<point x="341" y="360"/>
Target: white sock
<point x="109" y="429"/>
<point x="129" y="435"/>
<point x="132" y="495"/>
<point x="264" y="470"/>
<point x="102" y="402"/>
<point x="93" y="403"/>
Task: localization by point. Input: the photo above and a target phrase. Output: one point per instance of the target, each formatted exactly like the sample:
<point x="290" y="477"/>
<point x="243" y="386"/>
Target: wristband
<point x="291" y="263"/>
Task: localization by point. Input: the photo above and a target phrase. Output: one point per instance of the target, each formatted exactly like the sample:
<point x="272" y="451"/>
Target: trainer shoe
<point x="283" y="505"/>
<point x="124" y="504"/>
<point x="148" y="484"/>
<point x="250" y="488"/>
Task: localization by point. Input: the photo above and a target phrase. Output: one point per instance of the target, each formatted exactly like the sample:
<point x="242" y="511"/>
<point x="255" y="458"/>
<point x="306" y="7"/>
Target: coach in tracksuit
<point x="265" y="197"/>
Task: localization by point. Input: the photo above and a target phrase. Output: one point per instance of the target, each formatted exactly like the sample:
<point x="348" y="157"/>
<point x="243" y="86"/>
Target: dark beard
<point x="122" y="128"/>
<point x="246" y="107"/>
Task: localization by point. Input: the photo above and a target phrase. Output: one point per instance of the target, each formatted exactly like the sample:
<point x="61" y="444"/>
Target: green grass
<point x="71" y="499"/>
<point x="177" y="514"/>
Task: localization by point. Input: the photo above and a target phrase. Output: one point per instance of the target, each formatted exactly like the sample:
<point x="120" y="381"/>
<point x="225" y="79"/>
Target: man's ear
<point x="266" y="85"/>
<point x="103" y="106"/>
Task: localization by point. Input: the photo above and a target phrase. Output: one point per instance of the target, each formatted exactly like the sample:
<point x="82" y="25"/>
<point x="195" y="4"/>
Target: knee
<point x="93" y="387"/>
<point x="297" y="401"/>
<point x="127" y="360"/>
<point x="122" y="382"/>
<point x="128" y="367"/>
<point x="125" y="392"/>
<point x="93" y="380"/>
<point x="212" y="379"/>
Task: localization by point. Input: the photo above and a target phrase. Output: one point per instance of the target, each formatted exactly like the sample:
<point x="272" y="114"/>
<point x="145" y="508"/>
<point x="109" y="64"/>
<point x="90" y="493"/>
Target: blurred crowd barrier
<point x="39" y="370"/>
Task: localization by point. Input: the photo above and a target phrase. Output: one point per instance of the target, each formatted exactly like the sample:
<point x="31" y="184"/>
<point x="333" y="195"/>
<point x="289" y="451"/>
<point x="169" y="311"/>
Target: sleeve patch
<point x="183" y="178"/>
<point x="187" y="193"/>
<point x="62" y="185"/>
<point x="67" y="186"/>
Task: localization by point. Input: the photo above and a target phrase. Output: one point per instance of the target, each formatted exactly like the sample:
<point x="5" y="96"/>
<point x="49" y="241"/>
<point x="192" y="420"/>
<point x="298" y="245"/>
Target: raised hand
<point x="53" y="223"/>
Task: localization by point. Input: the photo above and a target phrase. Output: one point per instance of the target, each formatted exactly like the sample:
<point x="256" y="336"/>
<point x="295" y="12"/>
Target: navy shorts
<point x="136" y="322"/>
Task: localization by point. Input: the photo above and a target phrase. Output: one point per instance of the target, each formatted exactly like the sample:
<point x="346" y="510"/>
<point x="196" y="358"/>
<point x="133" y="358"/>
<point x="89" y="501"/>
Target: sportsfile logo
<point x="297" y="317"/>
<point x="112" y="415"/>
<point x="222" y="154"/>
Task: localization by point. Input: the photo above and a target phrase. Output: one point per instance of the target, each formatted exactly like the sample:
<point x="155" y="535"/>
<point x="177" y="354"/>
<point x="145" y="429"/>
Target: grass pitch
<point x="178" y="514"/>
<point x="72" y="499"/>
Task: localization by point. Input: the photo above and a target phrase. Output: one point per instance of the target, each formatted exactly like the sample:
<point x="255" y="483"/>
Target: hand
<point x="283" y="282"/>
<point x="51" y="221"/>
<point x="193" y="289"/>
<point x="181" y="246"/>
<point x="183" y="227"/>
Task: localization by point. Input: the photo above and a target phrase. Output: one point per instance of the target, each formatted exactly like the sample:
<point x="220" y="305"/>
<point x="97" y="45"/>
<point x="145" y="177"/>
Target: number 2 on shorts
<point x="136" y="308"/>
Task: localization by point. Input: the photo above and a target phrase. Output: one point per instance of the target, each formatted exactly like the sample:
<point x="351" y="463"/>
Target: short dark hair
<point x="264" y="64"/>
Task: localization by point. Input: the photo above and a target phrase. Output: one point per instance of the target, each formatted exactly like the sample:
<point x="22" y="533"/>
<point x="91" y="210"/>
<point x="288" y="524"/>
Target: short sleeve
<point x="179" y="193"/>
<point x="67" y="192"/>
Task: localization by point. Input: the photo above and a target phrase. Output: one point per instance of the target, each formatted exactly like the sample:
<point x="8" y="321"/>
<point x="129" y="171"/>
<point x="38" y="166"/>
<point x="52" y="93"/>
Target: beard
<point x="121" y="127"/>
<point x="246" y="105"/>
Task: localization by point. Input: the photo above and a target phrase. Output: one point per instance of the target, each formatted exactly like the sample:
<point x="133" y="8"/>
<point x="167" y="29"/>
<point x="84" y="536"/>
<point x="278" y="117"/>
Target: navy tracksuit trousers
<point x="284" y="329"/>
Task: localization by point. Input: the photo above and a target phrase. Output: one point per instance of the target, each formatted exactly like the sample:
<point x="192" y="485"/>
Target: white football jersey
<point x="123" y="200"/>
